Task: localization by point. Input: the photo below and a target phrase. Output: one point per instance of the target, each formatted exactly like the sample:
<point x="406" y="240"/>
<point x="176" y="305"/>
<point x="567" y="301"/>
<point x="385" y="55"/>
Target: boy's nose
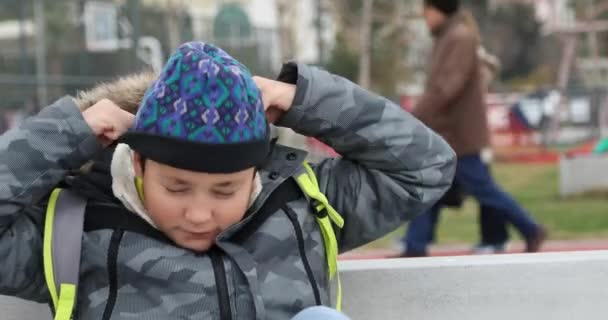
<point x="198" y="216"/>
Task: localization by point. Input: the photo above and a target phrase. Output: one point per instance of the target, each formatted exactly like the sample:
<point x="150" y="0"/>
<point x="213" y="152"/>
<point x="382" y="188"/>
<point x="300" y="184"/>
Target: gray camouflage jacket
<point x="392" y="168"/>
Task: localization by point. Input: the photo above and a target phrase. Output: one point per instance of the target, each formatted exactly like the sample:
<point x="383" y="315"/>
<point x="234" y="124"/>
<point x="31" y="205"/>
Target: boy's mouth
<point x="198" y="234"/>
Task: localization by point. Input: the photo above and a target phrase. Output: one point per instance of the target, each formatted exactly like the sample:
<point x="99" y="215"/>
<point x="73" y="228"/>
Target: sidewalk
<point x="462" y="250"/>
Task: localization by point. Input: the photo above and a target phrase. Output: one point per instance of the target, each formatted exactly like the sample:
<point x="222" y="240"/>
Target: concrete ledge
<point x="533" y="286"/>
<point x="582" y="174"/>
<point x="17" y="309"/>
<point x="511" y="287"/>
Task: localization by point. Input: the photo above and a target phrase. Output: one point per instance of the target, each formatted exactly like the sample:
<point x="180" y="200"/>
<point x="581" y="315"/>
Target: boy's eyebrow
<point x="224" y="184"/>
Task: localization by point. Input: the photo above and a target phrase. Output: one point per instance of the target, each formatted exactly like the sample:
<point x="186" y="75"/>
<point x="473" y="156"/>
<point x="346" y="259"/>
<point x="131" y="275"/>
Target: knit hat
<point x="448" y="7"/>
<point x="204" y="114"/>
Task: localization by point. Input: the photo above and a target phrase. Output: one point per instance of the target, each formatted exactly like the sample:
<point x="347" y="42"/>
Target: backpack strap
<point x="325" y="215"/>
<point x="63" y="229"/>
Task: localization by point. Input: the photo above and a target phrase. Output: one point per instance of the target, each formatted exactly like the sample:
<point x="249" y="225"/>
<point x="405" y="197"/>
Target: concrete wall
<point x="583" y="174"/>
<point x="536" y="286"/>
<point x="16" y="309"/>
<point x="511" y="287"/>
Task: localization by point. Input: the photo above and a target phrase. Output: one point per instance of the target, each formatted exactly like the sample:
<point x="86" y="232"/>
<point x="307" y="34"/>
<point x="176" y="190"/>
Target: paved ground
<point x="460" y="250"/>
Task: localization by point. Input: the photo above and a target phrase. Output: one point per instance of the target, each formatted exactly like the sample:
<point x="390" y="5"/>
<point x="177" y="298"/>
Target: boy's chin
<point x="199" y="246"/>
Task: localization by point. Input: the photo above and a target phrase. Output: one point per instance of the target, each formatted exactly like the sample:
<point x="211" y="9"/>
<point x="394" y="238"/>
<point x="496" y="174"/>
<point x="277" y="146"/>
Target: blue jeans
<point x="475" y="179"/>
<point x="318" y="313"/>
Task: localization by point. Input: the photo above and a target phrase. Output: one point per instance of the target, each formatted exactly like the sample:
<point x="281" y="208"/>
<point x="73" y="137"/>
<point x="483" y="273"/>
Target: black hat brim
<point x="200" y="157"/>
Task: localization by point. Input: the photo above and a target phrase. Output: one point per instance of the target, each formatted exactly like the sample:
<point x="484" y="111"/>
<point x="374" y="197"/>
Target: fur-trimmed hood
<point x="127" y="92"/>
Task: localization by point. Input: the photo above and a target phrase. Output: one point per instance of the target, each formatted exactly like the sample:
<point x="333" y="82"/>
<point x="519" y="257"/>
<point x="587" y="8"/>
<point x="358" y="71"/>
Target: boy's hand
<point x="108" y="121"/>
<point x="278" y="97"/>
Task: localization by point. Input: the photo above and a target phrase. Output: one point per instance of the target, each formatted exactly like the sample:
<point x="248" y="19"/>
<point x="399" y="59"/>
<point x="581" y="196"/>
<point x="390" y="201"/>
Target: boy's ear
<point x="138" y="165"/>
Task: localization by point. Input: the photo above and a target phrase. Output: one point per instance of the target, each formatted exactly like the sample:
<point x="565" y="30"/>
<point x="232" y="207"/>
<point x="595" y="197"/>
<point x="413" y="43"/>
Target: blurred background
<point x="547" y="106"/>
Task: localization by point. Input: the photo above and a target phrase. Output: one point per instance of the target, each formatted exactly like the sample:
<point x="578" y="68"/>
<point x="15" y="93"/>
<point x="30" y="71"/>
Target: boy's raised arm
<point x="36" y="155"/>
<point x="393" y="167"/>
<point x="34" y="158"/>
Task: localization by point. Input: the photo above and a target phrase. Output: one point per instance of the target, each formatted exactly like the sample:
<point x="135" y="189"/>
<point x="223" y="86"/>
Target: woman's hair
<point x="471" y="23"/>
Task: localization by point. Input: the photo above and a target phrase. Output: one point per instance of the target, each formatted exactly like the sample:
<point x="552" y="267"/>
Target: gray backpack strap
<point x="64" y="224"/>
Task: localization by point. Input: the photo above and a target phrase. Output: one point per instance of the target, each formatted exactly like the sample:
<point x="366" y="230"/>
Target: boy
<point x="219" y="233"/>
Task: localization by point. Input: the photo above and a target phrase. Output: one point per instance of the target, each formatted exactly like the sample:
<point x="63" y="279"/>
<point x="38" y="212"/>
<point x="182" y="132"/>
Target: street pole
<point x="39" y="21"/>
<point x="592" y="36"/>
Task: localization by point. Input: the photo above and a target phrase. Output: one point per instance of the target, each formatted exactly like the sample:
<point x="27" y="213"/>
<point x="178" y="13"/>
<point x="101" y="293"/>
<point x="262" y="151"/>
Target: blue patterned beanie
<point x="204" y="114"/>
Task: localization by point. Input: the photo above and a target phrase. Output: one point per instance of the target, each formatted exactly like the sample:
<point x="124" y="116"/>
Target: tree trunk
<point x="173" y="24"/>
<point x="365" y="44"/>
<point x="285" y="11"/>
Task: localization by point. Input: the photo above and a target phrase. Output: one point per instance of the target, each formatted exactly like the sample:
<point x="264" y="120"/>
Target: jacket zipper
<point x="300" y="236"/>
<point x="219" y="271"/>
<point x="112" y="272"/>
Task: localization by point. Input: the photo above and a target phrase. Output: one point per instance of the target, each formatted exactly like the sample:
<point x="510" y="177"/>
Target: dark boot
<point x="534" y="243"/>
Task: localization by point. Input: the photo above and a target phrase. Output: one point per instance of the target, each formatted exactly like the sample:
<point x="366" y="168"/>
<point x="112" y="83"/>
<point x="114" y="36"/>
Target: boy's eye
<point x="224" y="194"/>
<point x="177" y="190"/>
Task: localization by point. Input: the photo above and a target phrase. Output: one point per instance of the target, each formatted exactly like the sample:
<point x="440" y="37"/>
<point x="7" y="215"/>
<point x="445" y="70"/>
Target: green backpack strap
<point x="327" y="215"/>
<point x="63" y="229"/>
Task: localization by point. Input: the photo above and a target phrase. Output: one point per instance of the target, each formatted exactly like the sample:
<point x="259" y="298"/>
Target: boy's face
<point x="192" y="208"/>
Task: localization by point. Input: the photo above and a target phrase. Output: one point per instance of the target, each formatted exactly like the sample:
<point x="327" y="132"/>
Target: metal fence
<point x="52" y="48"/>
